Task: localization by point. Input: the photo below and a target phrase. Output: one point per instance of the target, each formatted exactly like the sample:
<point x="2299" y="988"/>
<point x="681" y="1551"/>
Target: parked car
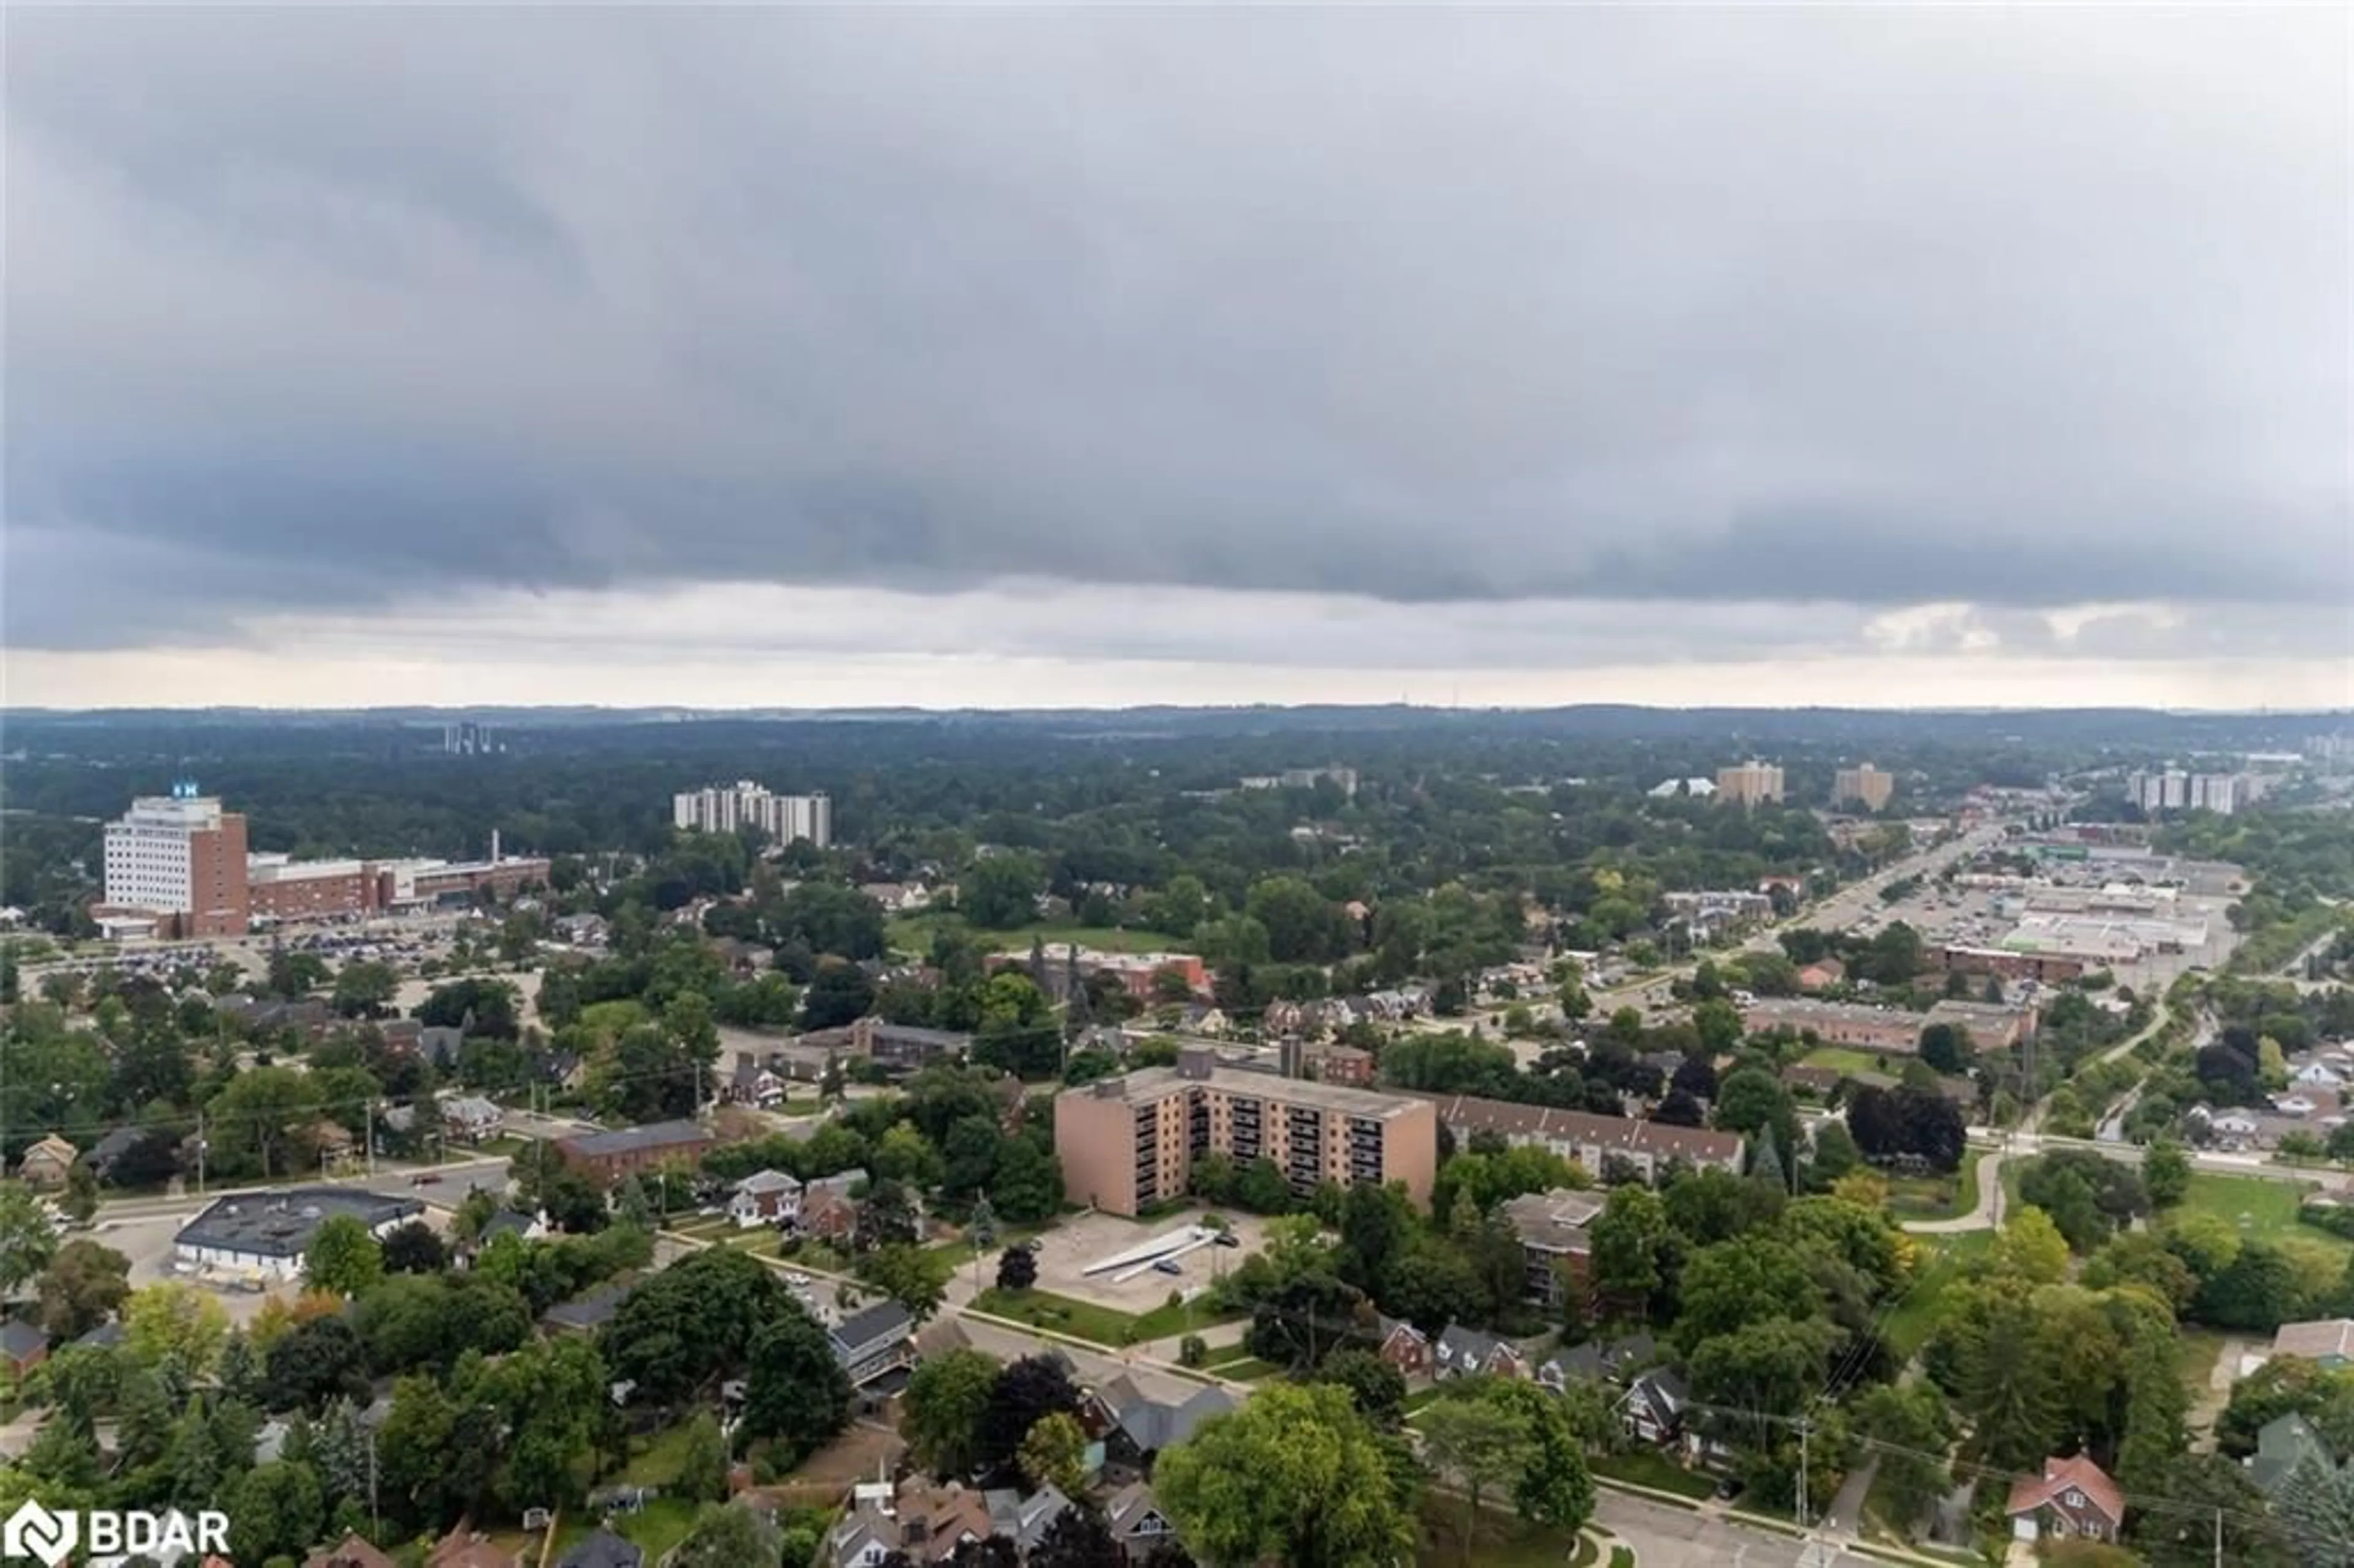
<point x="1228" y="1238"/>
<point x="425" y="1178"/>
<point x="1168" y="1266"/>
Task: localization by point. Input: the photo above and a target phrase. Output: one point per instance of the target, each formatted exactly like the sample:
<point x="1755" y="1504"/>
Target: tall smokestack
<point x="495" y="846"/>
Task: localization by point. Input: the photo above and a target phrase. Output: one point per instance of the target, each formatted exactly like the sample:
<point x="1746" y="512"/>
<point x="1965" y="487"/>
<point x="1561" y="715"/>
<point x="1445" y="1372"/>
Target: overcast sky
<point x="1028" y="356"/>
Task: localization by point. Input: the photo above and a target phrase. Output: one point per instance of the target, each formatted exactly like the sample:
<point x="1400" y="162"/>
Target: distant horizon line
<point x="919" y="710"/>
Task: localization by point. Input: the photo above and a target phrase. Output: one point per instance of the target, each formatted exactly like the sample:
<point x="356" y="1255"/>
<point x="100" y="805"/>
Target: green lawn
<point x="2195" y="1353"/>
<point x="1191" y="1319"/>
<point x="657" y="1462"/>
<point x="1943" y="1259"/>
<point x="1643" y="1467"/>
<point x="913" y="934"/>
<point x="1499" y="1539"/>
<point x="1841" y="1059"/>
<point x="1044" y="1310"/>
<point x="1245" y="1369"/>
<point x="660" y="1525"/>
<point x="2258" y="1207"/>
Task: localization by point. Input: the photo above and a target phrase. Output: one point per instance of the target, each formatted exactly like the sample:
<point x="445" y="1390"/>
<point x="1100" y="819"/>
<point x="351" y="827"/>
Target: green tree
<point x="343" y="1257"/>
<point x="1055" y="1454"/>
<point x="81" y="1288"/>
<point x="948" y="1396"/>
<point x="2165" y="1172"/>
<point x="79" y="1200"/>
<point x="797" y="1396"/>
<point x="1914" y="1422"/>
<point x="251" y="1126"/>
<point x="703" y="1464"/>
<point x="366" y="988"/>
<point x="1626" y="1238"/>
<point x="2009" y="1395"/>
<point x="2030" y="1248"/>
<point x="277" y="1510"/>
<point x="732" y="1538"/>
<point x="908" y="1276"/>
<point x="1478" y="1442"/>
<point x="1375" y="1387"/>
<point x="1296" y="1476"/>
<point x="999" y="892"/>
<point x="28" y="1240"/>
<point x="174" y="1321"/>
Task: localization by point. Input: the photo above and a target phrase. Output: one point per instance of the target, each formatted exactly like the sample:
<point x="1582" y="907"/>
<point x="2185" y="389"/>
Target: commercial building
<point x="467" y="739"/>
<point x="723" y="807"/>
<point x="181" y="859"/>
<point x="280" y="887"/>
<point x="1752" y="783"/>
<point x="2044" y="968"/>
<point x="607" y="1157"/>
<point x="1837" y="1022"/>
<point x="1649" y="1148"/>
<point x="1993" y="1025"/>
<point x="267" y="1234"/>
<point x="1865" y="786"/>
<point x="1129" y="1142"/>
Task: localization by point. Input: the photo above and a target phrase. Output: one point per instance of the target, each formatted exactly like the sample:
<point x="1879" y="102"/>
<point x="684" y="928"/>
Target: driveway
<point x="1984" y="1216"/>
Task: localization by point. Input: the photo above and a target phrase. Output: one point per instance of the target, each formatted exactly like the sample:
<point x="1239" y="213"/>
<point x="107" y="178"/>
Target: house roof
<point x="1663" y="1392"/>
<point x="1595" y="1359"/>
<point x="768" y="1181"/>
<point x="2282" y="1444"/>
<point x="107" y="1334"/>
<point x="632" y="1139"/>
<point x="354" y="1551"/>
<point x="52" y="1147"/>
<point x="117" y="1143"/>
<point x="1154" y="1425"/>
<point x="20" y="1339"/>
<point x="1128" y="1508"/>
<point x="1554" y="1221"/>
<point x="2029" y="1493"/>
<point x="2317" y="1338"/>
<point x="1458" y="1344"/>
<point x="506" y="1222"/>
<point x="589" y="1309"/>
<point x="856" y="1338"/>
<point x="603" y="1550"/>
<point x="281" y="1225"/>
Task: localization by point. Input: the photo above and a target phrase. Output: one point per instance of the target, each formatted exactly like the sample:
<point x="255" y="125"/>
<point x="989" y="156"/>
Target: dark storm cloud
<point x="2015" y="308"/>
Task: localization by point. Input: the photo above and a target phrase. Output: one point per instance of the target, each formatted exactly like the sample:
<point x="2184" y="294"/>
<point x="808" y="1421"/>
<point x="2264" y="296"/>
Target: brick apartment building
<point x="1129" y="1142"/>
<point x="606" y="1158"/>
<point x="1648" y="1147"/>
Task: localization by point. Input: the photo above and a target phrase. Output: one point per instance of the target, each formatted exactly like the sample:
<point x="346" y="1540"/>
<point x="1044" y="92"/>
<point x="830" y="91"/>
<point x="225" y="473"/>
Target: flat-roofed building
<point x="1751" y="783"/>
<point x="607" y="1157"/>
<point x="1993" y="1025"/>
<point x="1556" y="1252"/>
<point x="1129" y="1142"/>
<point x="1863" y="785"/>
<point x="181" y="859"/>
<point x="1837" y="1022"/>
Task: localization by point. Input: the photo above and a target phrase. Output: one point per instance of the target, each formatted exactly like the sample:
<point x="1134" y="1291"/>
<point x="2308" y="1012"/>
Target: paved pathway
<point x="1985" y="1215"/>
<point x="2207" y="1404"/>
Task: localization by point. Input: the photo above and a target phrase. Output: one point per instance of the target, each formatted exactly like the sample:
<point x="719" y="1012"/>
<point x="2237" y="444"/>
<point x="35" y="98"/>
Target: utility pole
<point x="2218" y="1538"/>
<point x="1805" y="1522"/>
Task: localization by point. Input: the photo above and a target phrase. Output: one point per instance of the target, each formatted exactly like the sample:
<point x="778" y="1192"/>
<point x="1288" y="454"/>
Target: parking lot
<point x="1065" y="1252"/>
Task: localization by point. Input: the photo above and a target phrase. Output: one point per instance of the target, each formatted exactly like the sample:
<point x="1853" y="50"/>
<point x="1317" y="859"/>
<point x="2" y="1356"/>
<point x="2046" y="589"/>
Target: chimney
<point x="495" y="846"/>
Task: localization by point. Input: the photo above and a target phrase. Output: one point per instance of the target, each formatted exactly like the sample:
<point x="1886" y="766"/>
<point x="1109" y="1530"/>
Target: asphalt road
<point x="1664" y="1536"/>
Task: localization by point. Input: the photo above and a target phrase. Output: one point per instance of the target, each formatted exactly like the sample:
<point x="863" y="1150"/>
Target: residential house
<point x="874" y="1344"/>
<point x="928" y="1523"/>
<point x="586" y="1312"/>
<point x="1612" y="1360"/>
<point x="1135" y="1426"/>
<point x="1557" y="1253"/>
<point x="48" y="1164"/>
<point x="1404" y="1346"/>
<point x="1468" y="1352"/>
<point x="2283" y="1443"/>
<point x="470" y="1118"/>
<point x="603" y="1548"/>
<point x="753" y="1083"/>
<point x="332" y="1145"/>
<point x="1136" y="1521"/>
<point x="441" y="1044"/>
<point x="507" y="1221"/>
<point x="1821" y="975"/>
<point x="465" y="1547"/>
<point x="2328" y="1341"/>
<point x="111" y="1151"/>
<point x="2318" y="1076"/>
<point x="2072" y="1497"/>
<point x="828" y="1212"/>
<point x="765" y="1198"/>
<point x="1653" y="1409"/>
<point x="354" y="1551"/>
<point x="22" y="1347"/>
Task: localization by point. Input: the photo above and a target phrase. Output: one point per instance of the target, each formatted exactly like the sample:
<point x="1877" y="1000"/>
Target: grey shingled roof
<point x="624" y="1140"/>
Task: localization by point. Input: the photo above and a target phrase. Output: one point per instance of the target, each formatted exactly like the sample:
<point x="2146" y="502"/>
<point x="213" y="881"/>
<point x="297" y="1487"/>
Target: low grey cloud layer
<point x="1748" y="313"/>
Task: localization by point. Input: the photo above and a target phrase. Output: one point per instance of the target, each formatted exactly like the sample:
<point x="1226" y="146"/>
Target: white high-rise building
<point x="180" y="856"/>
<point x="723" y="807"/>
